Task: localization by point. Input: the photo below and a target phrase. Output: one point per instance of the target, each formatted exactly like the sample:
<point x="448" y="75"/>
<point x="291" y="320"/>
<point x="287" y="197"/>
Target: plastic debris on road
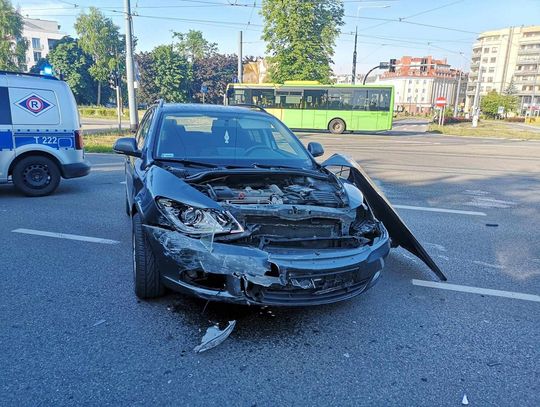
<point x="214" y="336"/>
<point x="101" y="321"/>
<point x="465" y="400"/>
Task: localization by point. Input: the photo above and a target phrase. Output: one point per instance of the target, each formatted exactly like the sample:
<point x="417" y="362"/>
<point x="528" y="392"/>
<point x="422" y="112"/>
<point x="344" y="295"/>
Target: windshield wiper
<point x="189" y="163"/>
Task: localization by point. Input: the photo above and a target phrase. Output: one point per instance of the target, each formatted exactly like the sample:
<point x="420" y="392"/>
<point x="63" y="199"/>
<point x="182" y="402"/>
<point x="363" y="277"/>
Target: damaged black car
<point x="227" y="204"/>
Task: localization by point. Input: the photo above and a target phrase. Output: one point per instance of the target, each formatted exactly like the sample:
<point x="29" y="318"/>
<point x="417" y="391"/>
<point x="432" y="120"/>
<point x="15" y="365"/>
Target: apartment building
<point x="41" y="36"/>
<point x="419" y="81"/>
<point x="509" y="60"/>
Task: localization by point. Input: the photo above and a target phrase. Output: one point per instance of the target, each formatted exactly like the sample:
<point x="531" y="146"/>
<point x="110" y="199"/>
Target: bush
<point x="456" y="120"/>
<point x="515" y="119"/>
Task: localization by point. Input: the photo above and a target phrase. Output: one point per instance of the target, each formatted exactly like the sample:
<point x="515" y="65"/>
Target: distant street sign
<point x="500" y="110"/>
<point x="204" y="89"/>
<point x="440" y="102"/>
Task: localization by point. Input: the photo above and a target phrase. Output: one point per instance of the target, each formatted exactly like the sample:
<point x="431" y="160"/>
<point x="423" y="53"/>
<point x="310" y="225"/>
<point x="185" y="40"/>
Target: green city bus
<point x="310" y="105"/>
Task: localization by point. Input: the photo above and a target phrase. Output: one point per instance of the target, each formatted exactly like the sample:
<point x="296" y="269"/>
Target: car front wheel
<point x="146" y="275"/>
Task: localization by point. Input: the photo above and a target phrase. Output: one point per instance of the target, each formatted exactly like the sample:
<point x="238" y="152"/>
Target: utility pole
<point x="353" y="80"/>
<point x="457" y="95"/>
<point x="133" y="117"/>
<point x="240" y="69"/>
<point x="476" y="103"/>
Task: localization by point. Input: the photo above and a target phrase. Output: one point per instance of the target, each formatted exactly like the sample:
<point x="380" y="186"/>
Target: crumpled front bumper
<point x="291" y="277"/>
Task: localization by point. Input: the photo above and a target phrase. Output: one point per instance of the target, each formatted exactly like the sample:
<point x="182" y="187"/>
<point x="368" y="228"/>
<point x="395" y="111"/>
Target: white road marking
<point x="441" y="210"/>
<point x="107" y="169"/>
<point x="123" y="182"/>
<point x="65" y="236"/>
<point x="477" y="290"/>
<point x="483" y="263"/>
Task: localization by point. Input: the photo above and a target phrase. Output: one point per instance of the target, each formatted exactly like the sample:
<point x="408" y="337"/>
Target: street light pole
<point x="476" y="104"/>
<point x="457" y="95"/>
<point x="130" y="76"/>
<point x="240" y="68"/>
<point x="353" y="80"/>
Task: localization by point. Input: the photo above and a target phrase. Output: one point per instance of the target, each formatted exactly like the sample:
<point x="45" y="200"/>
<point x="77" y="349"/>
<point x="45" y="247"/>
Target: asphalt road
<point x="73" y="333"/>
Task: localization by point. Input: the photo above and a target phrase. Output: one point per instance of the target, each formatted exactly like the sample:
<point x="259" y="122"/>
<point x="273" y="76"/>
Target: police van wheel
<point x="36" y="176"/>
<point x="336" y="126"/>
<point x="145" y="271"/>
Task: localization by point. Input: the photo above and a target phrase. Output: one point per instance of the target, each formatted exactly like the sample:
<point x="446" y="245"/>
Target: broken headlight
<point x="198" y="221"/>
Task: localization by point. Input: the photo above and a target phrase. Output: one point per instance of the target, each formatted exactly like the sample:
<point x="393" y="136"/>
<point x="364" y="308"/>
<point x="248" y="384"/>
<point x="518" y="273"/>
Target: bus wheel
<point x="336" y="126"/>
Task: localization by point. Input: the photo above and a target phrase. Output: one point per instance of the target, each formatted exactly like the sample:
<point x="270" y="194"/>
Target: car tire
<point x="146" y="275"/>
<point x="36" y="176"/>
<point x="336" y="126"/>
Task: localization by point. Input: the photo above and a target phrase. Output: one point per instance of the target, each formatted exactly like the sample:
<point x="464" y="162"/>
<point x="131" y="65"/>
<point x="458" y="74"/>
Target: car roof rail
<point x="251" y="106"/>
<point x="159" y="102"/>
<point x="35" y="75"/>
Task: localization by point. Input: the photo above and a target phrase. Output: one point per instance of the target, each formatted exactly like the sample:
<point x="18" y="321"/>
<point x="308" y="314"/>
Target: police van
<point x="40" y="137"/>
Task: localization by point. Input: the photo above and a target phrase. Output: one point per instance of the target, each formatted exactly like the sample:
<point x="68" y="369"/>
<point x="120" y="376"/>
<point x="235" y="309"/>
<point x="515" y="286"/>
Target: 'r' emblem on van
<point x="34" y="104"/>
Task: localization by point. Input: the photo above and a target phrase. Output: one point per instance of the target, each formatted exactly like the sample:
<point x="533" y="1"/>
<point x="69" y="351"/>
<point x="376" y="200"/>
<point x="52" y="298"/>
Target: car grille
<point x="273" y="226"/>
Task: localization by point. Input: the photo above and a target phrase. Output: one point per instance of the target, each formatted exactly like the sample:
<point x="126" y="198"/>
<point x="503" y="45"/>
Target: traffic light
<point x="113" y="80"/>
<point x="392" y="67"/>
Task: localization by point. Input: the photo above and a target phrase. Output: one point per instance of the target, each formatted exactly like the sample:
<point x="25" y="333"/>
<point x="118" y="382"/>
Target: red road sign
<point x="440" y="101"/>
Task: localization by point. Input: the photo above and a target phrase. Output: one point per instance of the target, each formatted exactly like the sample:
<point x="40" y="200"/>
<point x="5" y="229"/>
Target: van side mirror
<point x="315" y="149"/>
<point x="127" y="146"/>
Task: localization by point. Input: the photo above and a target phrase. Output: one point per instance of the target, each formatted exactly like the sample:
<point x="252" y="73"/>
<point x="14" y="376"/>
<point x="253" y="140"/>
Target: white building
<point x="41" y="35"/>
<point x="510" y="56"/>
<point x="419" y="81"/>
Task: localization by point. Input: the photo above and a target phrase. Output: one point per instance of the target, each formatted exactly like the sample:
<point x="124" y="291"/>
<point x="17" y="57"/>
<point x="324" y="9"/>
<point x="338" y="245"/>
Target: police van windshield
<point x="229" y="139"/>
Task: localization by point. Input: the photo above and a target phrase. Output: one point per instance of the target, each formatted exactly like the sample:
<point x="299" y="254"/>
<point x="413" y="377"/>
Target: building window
<point x="490" y="79"/>
<point x="409" y="90"/>
<point x="423" y="98"/>
<point x="36" y="43"/>
<point x="494" y="50"/>
<point x="37" y="56"/>
<point x="491" y="70"/>
<point x="484" y="59"/>
<point x="493" y="59"/>
<point x="410" y="80"/>
<point x="51" y="43"/>
<point x="486" y="50"/>
<point x="424" y="90"/>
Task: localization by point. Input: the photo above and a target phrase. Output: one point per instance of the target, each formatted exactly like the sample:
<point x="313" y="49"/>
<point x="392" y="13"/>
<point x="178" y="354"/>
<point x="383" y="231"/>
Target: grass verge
<point x="102" y="142"/>
<point x="486" y="128"/>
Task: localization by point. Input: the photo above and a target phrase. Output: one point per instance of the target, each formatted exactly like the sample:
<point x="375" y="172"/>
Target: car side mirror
<point x="315" y="149"/>
<point x="127" y="146"/>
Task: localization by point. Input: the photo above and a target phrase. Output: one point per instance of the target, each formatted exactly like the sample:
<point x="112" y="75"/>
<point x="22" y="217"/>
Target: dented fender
<point x="383" y="210"/>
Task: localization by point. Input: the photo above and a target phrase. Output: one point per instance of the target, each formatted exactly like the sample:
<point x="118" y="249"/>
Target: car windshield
<point x="225" y="138"/>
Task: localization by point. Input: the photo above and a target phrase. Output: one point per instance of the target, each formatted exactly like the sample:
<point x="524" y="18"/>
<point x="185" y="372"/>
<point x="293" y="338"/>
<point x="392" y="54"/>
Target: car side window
<point x="144" y="127"/>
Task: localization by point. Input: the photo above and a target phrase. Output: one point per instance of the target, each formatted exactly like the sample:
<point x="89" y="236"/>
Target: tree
<point x="148" y="91"/>
<point x="99" y="37"/>
<point x="215" y="72"/>
<point x="491" y="102"/>
<point x="193" y="45"/>
<point x="172" y="73"/>
<point x="12" y="44"/>
<point x="511" y="88"/>
<point x="300" y="37"/>
<point x="40" y="64"/>
<point x="70" y="61"/>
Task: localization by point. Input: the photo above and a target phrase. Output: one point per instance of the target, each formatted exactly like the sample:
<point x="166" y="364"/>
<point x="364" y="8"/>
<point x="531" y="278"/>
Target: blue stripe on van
<point x="56" y="140"/>
<point x="6" y="140"/>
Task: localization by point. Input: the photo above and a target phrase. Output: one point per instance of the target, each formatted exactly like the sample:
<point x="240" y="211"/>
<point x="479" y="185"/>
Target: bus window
<point x="360" y="100"/>
<point x="339" y="99"/>
<point x="379" y="99"/>
<point x="263" y="97"/>
<point x="240" y="96"/>
<point x="315" y="99"/>
<point x="289" y="100"/>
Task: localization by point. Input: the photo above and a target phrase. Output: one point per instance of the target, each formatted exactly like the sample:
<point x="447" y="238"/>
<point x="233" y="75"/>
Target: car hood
<point x="399" y="232"/>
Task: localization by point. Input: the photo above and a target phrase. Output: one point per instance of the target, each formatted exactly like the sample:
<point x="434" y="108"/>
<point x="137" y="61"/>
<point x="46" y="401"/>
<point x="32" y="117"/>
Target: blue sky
<point x="220" y="21"/>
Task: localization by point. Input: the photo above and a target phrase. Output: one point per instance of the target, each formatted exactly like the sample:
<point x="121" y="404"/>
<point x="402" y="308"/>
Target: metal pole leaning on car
<point x="133" y="119"/>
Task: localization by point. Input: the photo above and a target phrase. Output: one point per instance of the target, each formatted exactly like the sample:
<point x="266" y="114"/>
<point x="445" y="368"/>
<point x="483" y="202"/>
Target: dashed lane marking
<point x="441" y="210"/>
<point x="65" y="236"/>
<point x="477" y="290"/>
